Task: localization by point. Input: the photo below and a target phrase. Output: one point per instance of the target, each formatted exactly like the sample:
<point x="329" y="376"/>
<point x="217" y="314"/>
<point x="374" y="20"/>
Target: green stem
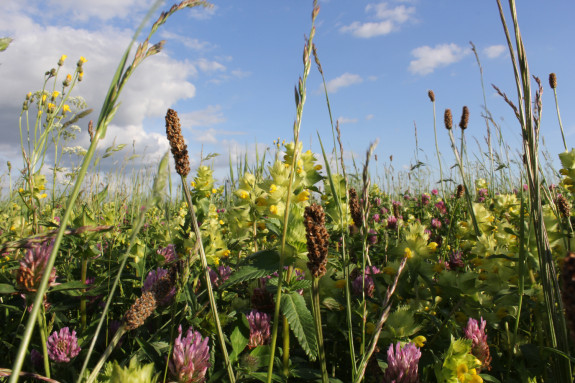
<point x="84" y="271"/>
<point x="208" y="281"/>
<point x="42" y="330"/>
<point x="121" y="331"/>
<point x="317" y="320"/>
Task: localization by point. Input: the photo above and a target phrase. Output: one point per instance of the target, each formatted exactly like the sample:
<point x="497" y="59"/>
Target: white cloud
<point x="203" y="13"/>
<point x="345" y="120"/>
<point x="188" y="42"/>
<point x="211" y="115"/>
<point x="83" y="10"/>
<point x="388" y="19"/>
<point x="427" y="59"/>
<point x="494" y="51"/>
<point x="209" y="66"/>
<point x="369" y="117"/>
<point x="343" y="81"/>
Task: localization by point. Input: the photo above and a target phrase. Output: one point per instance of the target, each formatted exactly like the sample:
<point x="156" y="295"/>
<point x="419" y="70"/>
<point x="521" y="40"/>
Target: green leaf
<point x="72" y="285"/>
<point x="301" y="322"/>
<point x="7" y="289"/>
<point x="240" y="337"/>
<point x="258" y="265"/>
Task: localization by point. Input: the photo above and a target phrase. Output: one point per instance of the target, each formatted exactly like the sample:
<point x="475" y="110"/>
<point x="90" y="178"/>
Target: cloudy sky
<point x="230" y="71"/>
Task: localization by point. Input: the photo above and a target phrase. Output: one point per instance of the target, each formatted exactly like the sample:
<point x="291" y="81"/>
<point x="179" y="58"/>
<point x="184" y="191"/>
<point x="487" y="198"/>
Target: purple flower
<point x="219" y="277"/>
<point x="32" y="267"/>
<point x="402" y="364"/>
<point x="368" y="286"/>
<point x="376" y="217"/>
<point x="482" y="193"/>
<point x="440" y="206"/>
<point x="435" y="223"/>
<point x="259" y="328"/>
<point x="372" y="270"/>
<point x="190" y="357"/>
<point x="478" y="335"/>
<point x="425" y="198"/>
<point x="153" y="277"/>
<point x="62" y="346"/>
<point x="391" y="222"/>
<point x="384" y="210"/>
<point x="169" y="253"/>
<point x="377" y="201"/>
<point x="435" y="192"/>
<point x="456" y="260"/>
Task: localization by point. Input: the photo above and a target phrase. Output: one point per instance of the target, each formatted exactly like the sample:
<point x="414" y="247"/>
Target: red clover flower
<point x="402" y="364"/>
<point x="190" y="357"/>
<point x="63" y="346"/>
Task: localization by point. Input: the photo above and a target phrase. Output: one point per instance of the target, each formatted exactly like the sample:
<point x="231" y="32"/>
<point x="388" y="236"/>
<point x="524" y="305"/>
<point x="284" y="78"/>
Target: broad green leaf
<point x="240" y="337"/>
<point x="7" y="289"/>
<point x="258" y="265"/>
<point x="300" y="321"/>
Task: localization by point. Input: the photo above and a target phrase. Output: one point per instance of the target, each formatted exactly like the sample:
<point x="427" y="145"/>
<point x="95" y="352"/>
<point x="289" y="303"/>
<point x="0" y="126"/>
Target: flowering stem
<point x="208" y="281"/>
<point x="317" y="320"/>
<point x="437" y="150"/>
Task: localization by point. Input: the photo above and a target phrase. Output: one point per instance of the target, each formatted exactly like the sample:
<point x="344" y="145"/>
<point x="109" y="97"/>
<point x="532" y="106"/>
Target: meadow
<point x="298" y="267"/>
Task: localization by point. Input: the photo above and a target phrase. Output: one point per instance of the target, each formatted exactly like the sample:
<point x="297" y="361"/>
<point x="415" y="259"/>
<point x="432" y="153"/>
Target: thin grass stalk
<point x="384" y="315"/>
<point x="344" y="261"/>
<point x="521" y="272"/>
<point x="559" y="114"/>
<point x="207" y="279"/>
<point x="437" y="146"/>
<point x="42" y="330"/>
<point x="463" y="180"/>
<point x="300" y="101"/>
<point x="113" y="343"/>
<point x="319" y="331"/>
<point x="556" y="326"/>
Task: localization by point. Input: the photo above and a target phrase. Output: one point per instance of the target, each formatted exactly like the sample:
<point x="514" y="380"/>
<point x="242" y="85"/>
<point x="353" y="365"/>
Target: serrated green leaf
<point x="300" y="321"/>
<point x="257" y="265"/>
<point x="240" y="337"/>
<point x="7" y="289"/>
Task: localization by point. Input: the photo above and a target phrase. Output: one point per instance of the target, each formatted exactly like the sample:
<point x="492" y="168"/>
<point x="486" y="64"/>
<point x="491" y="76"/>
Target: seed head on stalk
<point x="448" y="119"/>
<point x="177" y="143"/>
<point x="317" y="239"/>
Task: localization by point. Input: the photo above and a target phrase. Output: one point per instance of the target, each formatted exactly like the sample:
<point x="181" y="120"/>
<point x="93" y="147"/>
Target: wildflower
<point x="419" y="341"/>
<point x="80" y="76"/>
<point x="376" y="217"/>
<point x="363" y="283"/>
<point x="303" y="196"/>
<point x="190" y="357"/>
<point x="448" y="119"/>
<point x="317" y="167"/>
<point x="425" y="198"/>
<point x="152" y="283"/>
<point x="219" y="277"/>
<point x="142" y="308"/>
<point x="214" y="191"/>
<point x="402" y="364"/>
<point x="55" y="95"/>
<point x="273" y="188"/>
<point x="456" y="260"/>
<point x="478" y="335"/>
<point x="244" y="194"/>
<point x="354" y="208"/>
<point x="435" y="192"/>
<point x="408" y="253"/>
<point x="62" y="346"/>
<point x="68" y="80"/>
<point x="62" y="59"/>
<point x="464" y="118"/>
<point x="435" y="223"/>
<point x="372" y="237"/>
<point x="177" y="143"/>
<point x="43" y="195"/>
<point x="432" y="246"/>
<point x="274" y="209"/>
<point x="259" y="328"/>
<point x="32" y="267"/>
<point x="440" y="206"/>
<point x="392" y="222"/>
<point x="317" y="239"/>
<point x="81" y="61"/>
<point x="169" y="253"/>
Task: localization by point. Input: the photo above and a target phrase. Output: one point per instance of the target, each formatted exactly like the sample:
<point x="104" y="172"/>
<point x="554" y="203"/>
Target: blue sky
<point x="230" y="71"/>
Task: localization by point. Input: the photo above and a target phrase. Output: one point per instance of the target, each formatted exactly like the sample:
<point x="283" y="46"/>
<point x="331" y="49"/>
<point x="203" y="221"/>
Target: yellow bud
<point x="408" y="253"/>
<point x="62" y="59"/>
<point x="273" y="209"/>
<point x="273" y="188"/>
<point x="214" y="191"/>
<point x="318" y="167"/>
<point x="55" y="94"/>
<point x="66" y="108"/>
<point x="221" y="222"/>
<point x="419" y="341"/>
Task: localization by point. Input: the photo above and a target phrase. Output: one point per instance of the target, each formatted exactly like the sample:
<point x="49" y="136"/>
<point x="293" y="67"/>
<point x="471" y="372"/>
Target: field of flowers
<point x="300" y="270"/>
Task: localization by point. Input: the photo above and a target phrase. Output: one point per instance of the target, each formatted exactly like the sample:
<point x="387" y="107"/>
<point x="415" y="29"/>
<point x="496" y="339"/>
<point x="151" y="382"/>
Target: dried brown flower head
<point x="448" y="119"/>
<point x="552" y="80"/>
<point x="563" y="206"/>
<point x="460" y="191"/>
<point x="91" y="130"/>
<point x="354" y="208"/>
<point x="464" y="118"/>
<point x="142" y="308"/>
<point x="177" y="143"/>
<point x="317" y="240"/>
<point x="431" y="95"/>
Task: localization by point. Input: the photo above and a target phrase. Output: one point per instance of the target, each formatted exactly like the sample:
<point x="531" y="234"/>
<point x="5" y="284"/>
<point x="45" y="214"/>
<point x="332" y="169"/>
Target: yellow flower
<point x="438" y="267"/>
<point x="299" y="170"/>
<point x="303" y="196"/>
<point x="318" y="167"/>
<point x="44" y="195"/>
<point x="62" y="59"/>
<point x="66" y="108"/>
<point x="244" y="195"/>
<point x="43" y="99"/>
<point x="193" y="184"/>
<point x="55" y="94"/>
<point x="51" y="107"/>
<point x="273" y="209"/>
<point x="28" y="95"/>
<point x="432" y="246"/>
<point x="419" y="341"/>
<point x="273" y="188"/>
<point x="408" y="253"/>
<point x="81" y="76"/>
<point x="221" y="222"/>
<point x="68" y="80"/>
<point x="81" y="61"/>
<point x="226" y="253"/>
<point x="21" y="190"/>
<point x="214" y="191"/>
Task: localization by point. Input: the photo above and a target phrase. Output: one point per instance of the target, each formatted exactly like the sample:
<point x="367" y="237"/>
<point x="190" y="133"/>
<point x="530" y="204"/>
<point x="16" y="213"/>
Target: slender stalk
<point x="42" y="330"/>
<point x="113" y="343"/>
<point x="300" y="101"/>
<point x="559" y="118"/>
<point x="208" y="281"/>
<point x="437" y="149"/>
<point x="317" y="320"/>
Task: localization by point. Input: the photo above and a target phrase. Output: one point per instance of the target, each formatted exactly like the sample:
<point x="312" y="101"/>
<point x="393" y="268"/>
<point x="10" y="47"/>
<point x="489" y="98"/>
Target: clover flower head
<point x="63" y="345"/>
<point x="169" y="253"/>
<point x="392" y="222"/>
<point x="190" y="357"/>
<point x="259" y="328"/>
<point x="402" y="364"/>
<point x="32" y="267"/>
<point x="480" y="349"/>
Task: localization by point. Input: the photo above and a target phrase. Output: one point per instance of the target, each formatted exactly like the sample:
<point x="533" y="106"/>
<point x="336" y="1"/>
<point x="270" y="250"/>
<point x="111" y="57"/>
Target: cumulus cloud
<point x="208" y="116"/>
<point x="343" y="81"/>
<point x="494" y="51"/>
<point x="387" y="19"/>
<point x="159" y="83"/>
<point x="345" y="120"/>
<point x="83" y="10"/>
<point x="427" y="59"/>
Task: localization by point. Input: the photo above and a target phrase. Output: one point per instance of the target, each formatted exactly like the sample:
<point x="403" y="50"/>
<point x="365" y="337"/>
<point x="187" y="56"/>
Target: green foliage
<point x="300" y="320"/>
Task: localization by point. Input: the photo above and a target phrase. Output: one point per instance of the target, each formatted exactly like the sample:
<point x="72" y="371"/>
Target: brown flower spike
<point x="460" y="191"/>
<point x="431" y="95"/>
<point x="464" y="118"/>
<point x="563" y="206"/>
<point x="317" y="239"/>
<point x="553" y="81"/>
<point x="354" y="208"/>
<point x="142" y="308"/>
<point x="177" y="143"/>
<point x="448" y="119"/>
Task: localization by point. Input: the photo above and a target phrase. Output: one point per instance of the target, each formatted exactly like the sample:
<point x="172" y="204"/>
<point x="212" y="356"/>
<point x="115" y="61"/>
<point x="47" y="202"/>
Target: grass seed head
<point x="464" y="118"/>
<point x="431" y="95"/>
<point x="177" y="143"/>
<point x="552" y="80"/>
<point x="448" y="119"/>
